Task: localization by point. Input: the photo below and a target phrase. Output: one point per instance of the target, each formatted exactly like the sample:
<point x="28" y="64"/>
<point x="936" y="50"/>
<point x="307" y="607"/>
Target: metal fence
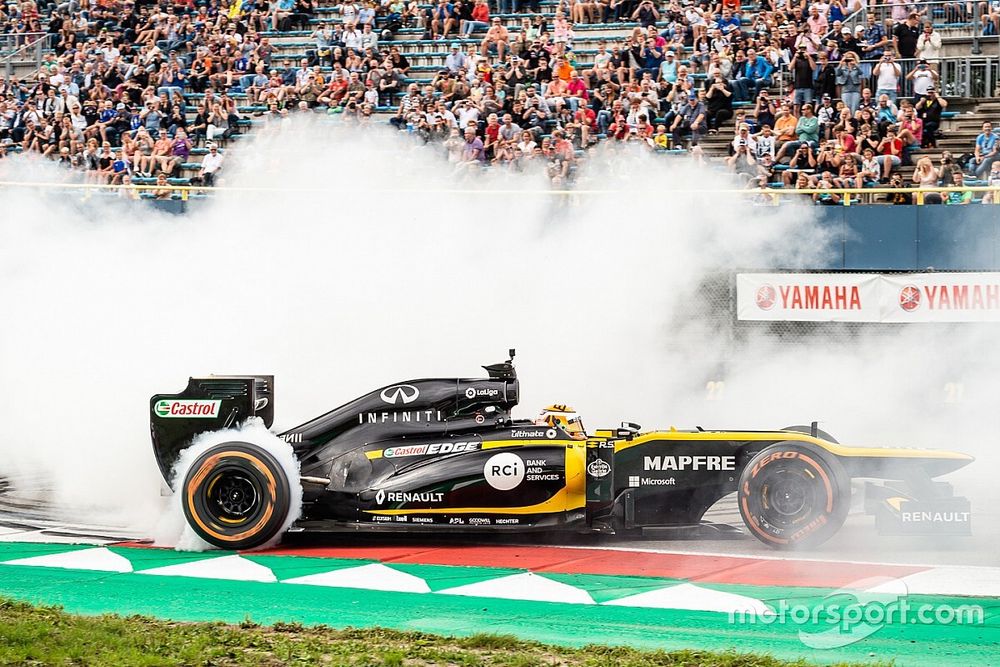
<point x="966" y="76"/>
<point x="954" y="13"/>
<point x="12" y="41"/>
<point x="23" y="50"/>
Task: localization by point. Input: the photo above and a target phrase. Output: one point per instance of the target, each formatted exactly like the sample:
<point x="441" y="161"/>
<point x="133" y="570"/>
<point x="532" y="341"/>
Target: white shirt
<point x="888" y="76"/>
<point x="211" y="163"/>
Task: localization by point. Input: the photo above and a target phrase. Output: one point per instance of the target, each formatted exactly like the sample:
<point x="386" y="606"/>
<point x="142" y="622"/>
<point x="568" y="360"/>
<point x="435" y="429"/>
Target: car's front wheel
<point x="792" y="495"/>
<point x="236" y="496"/>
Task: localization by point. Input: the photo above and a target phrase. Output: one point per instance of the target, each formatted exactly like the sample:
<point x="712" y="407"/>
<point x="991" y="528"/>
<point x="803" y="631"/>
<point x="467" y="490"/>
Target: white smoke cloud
<point x="365" y="260"/>
<point x="173" y="530"/>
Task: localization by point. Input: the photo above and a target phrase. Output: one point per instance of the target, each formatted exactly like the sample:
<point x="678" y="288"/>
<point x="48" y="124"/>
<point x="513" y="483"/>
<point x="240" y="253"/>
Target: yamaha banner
<point x="857" y="297"/>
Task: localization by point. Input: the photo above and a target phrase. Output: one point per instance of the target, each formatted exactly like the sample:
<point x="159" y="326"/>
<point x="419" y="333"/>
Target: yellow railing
<point x="849" y="196"/>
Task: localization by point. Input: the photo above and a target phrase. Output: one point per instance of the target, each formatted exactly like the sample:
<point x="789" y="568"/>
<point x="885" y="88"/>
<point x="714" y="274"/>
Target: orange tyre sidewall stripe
<point x="752" y="520"/>
<point x="204" y="471"/>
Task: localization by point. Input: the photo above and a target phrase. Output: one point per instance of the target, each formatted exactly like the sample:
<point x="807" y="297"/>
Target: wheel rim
<point x="788" y="498"/>
<point x="233" y="497"/>
<point x="788" y="495"/>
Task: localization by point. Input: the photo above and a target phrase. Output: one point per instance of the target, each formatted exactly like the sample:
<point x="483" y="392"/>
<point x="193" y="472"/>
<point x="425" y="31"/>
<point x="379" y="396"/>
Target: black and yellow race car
<point x="446" y="455"/>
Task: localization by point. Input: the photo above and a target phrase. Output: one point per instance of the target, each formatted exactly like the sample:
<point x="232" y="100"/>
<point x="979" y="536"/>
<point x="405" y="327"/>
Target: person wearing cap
<point x="850" y="43"/>
<point x="480" y="20"/>
<point x="210" y="165"/>
<point x="668" y="68"/>
<point x="691" y="118"/>
<point x="929" y="109"/>
<point x="456" y="59"/>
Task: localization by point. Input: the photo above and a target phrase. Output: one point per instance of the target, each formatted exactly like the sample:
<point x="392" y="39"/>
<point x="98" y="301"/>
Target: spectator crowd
<point x="130" y="88"/>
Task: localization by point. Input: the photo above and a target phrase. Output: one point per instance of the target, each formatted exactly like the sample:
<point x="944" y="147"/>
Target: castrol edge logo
<point x="187" y="409"/>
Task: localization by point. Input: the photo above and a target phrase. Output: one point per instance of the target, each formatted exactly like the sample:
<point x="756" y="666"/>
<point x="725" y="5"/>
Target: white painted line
<point x="955" y="580"/>
<point x="373" y="577"/>
<point x="233" y="568"/>
<point x="99" y="559"/>
<point x="749" y="556"/>
<point x="43" y="537"/>
<point x="694" y="598"/>
<point x="527" y="586"/>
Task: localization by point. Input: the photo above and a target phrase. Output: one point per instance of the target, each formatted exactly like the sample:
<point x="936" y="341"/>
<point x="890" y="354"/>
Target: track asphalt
<point x="917" y="615"/>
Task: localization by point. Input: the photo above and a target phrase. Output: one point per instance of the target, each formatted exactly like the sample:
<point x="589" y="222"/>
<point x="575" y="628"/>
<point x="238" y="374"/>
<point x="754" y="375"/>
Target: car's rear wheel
<point x="792" y="495"/>
<point x="236" y="496"/>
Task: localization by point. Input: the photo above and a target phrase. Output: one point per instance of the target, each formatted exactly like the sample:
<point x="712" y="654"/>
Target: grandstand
<point x="222" y="72"/>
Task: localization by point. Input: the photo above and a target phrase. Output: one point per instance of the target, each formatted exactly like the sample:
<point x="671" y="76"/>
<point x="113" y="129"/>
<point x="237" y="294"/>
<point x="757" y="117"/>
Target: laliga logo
<point x="765" y="297"/>
<point x="470" y="393"/>
<point x="400" y="394"/>
<point x="909" y="298"/>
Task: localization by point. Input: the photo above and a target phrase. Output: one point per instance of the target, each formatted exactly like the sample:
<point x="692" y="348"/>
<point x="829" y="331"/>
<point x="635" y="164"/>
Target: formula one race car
<point x="446" y="455"/>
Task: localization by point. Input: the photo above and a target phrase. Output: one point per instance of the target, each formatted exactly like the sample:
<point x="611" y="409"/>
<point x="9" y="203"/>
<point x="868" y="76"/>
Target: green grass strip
<point x="47" y="635"/>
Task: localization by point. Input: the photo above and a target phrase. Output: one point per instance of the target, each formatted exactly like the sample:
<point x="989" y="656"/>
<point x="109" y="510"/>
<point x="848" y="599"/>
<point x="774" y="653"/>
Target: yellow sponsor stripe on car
<point x="838" y="450"/>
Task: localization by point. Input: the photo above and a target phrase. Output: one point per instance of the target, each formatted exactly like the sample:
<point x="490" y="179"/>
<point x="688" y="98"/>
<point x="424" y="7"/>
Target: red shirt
<point x="491" y="133"/>
<point x="893" y="147"/>
<point x="850" y="144"/>
<point x="578" y="88"/>
<point x="481" y="13"/>
<point x="586" y="116"/>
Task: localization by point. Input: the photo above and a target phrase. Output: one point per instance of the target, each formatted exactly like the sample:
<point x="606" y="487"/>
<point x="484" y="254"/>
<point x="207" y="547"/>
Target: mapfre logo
<point x="400" y="394"/>
<point x="186" y="409"/>
<point x="909" y="298"/>
<point x="765" y="297"/>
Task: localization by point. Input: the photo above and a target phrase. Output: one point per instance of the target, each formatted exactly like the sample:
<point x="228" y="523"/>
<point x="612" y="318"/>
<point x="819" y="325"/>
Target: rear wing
<point x="207" y="404"/>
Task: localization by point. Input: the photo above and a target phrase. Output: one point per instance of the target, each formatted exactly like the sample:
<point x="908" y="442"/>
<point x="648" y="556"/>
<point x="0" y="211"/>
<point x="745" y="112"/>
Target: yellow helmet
<point x="563" y="417"/>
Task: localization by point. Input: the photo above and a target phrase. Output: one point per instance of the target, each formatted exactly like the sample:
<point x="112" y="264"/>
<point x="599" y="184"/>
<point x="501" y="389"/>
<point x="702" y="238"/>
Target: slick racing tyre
<point x="236" y="496"/>
<point x="820" y="433"/>
<point x="792" y="495"/>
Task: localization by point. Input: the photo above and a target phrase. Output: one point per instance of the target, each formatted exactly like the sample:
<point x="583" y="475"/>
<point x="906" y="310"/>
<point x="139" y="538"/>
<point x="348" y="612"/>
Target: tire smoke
<point x="173" y="530"/>
<point x="351" y="259"/>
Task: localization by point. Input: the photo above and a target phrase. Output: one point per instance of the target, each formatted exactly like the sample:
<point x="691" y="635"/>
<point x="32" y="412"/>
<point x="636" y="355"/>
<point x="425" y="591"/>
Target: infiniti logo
<point x="400" y="394"/>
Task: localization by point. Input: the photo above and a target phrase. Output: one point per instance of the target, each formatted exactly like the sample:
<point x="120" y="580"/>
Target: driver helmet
<point x="563" y="417"/>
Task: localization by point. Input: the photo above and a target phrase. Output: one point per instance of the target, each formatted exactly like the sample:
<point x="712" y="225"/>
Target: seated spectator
<point x="890" y="151"/>
<point x="211" y="164"/>
<point x="870" y="173"/>
<point x="691" y="120"/>
<point x="926" y="176"/>
<point x="742" y="162"/>
<point x="718" y="102"/>
<point x="801" y="164"/>
<point x="162" y="190"/>
<point x="899" y="196"/>
<point x="985" y="152"/>
<point x="806" y="132"/>
<point x="957" y="197"/>
<point x="993" y="180"/>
